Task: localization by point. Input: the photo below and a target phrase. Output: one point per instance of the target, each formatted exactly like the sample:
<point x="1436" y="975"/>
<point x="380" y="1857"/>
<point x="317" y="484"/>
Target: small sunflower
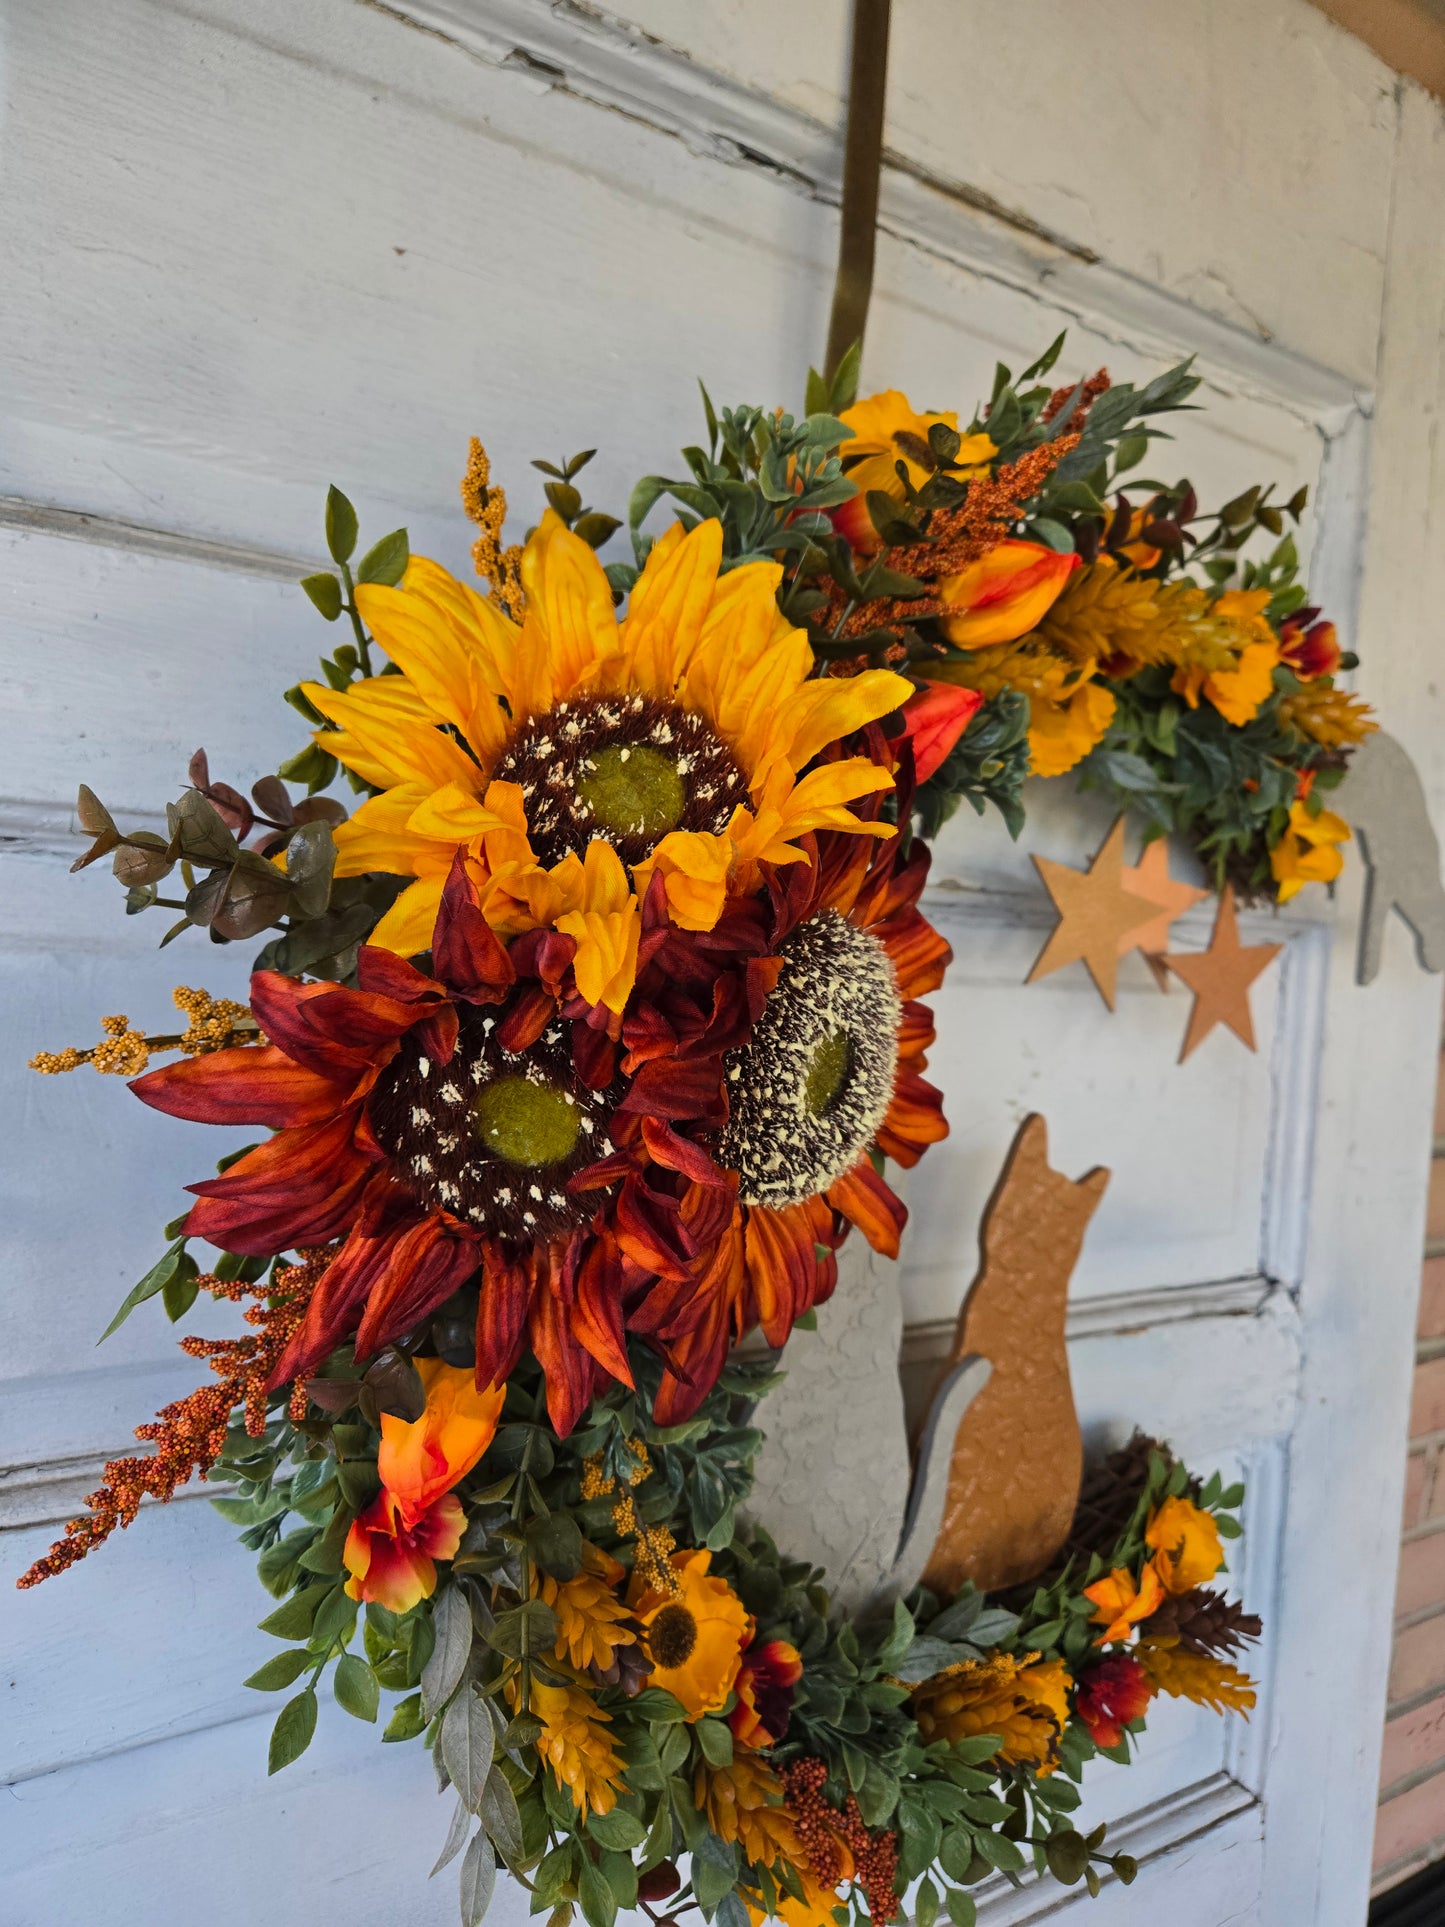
<point x="695" y="1635"/>
<point x="574" y="757"/>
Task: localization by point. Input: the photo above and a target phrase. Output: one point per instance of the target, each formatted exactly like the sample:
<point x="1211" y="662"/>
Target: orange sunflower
<point x="573" y="757"/>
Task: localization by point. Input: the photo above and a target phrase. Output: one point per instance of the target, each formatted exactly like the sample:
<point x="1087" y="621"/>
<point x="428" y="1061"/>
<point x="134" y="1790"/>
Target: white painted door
<point x="248" y="247"/>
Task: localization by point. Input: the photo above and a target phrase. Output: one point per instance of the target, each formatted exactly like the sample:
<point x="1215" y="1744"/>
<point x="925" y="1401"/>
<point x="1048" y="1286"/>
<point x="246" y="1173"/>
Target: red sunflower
<point x="471" y="1130"/>
<point x="828" y="1083"/>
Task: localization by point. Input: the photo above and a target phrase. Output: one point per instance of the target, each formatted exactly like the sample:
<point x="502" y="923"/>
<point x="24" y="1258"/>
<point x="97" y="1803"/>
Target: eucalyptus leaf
<point x="478" y="1878"/>
<point x="467" y="1742"/>
<point x="452" y="1625"/>
<point x="456" y="1839"/>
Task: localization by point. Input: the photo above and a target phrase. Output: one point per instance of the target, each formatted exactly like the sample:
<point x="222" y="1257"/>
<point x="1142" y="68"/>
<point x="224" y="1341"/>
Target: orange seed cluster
<point x="824" y="1831"/>
<point x="190" y="1434"/>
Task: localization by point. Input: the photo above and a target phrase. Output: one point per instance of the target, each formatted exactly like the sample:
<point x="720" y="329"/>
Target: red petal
<point x="863" y="1197"/>
<point x="782" y="1266"/>
<point x="466" y="952"/>
<point x="327" y="1027"/>
<point x="914" y="1120"/>
<point x="385" y="974"/>
<point x="427" y="1264"/>
<point x="677" y="1088"/>
<point x="506" y="1295"/>
<point x="597" y="1311"/>
<point x="299" y="1188"/>
<point x="676" y="1153"/>
<point x="251" y="1084"/>
<point x="341" y="1290"/>
<point x="919" y="954"/>
<point x="649" y="1230"/>
<point x="571" y="1372"/>
<point x="528" y="1015"/>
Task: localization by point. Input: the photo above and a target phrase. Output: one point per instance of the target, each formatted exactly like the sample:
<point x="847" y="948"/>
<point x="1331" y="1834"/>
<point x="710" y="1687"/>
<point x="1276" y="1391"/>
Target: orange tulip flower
<point x="1119" y="1604"/>
<point x="392" y="1548"/>
<point x="934" y="718"/>
<point x="1004" y="594"/>
<point x="395" y="1563"/>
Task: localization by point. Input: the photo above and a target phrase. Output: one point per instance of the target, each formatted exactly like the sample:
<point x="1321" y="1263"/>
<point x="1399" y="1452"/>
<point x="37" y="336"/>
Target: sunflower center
<point x="623" y="768"/>
<point x="809" y="1090"/>
<point x="526" y="1123"/>
<point x="633" y="791"/>
<point x="672" y="1636"/>
<point x="493" y="1137"/>
<point x="827" y="1072"/>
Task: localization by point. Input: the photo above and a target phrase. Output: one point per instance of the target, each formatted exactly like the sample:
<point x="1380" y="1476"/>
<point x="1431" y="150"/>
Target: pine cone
<point x="1108" y="1497"/>
<point x="1204" y="1622"/>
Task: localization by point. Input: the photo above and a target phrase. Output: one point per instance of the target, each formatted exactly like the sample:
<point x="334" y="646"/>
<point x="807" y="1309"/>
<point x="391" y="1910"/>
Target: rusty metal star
<point x="1220" y="978"/>
<point x="1096" y="911"/>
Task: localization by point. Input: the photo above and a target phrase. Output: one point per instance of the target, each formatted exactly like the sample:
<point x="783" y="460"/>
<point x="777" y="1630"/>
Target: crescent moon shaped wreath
<point x="588" y="1040"/>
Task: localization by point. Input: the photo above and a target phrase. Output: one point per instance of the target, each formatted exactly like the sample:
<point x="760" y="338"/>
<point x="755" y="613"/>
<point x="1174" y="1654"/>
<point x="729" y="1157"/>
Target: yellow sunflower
<point x="695" y="1636"/>
<point x="573" y="756"/>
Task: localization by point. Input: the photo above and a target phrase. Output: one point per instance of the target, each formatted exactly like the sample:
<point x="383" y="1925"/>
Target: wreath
<point x="580" y="1047"/>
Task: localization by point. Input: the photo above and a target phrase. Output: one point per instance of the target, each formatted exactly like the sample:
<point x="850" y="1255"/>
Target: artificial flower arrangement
<point x="580" y="1050"/>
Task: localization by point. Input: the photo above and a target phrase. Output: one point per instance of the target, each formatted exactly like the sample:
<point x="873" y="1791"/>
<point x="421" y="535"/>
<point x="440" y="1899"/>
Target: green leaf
<point x="325" y="592"/>
<point x="291" y="1735"/>
<point x="843" y="388"/>
<point x="355" y="1688"/>
<point x="962" y="1908"/>
<point x="714" y="1868"/>
<point x="180" y="1290"/>
<point x="478" y="1878"/>
<point x="155" y="1280"/>
<point x="556" y="1545"/>
<point x="956" y="1854"/>
<point x="655" y="1703"/>
<point x="282" y="1670"/>
<point x="295" y="1618"/>
<point x="385" y="562"/>
<point x="619" y="1830"/>
<point x="340" y="525"/>
<point x="452" y="1624"/>
<point x="926" y="1903"/>
<point x="716" y="1740"/>
<point x="1068" y="1855"/>
<point x="468" y="1742"/>
<point x="501" y="1817"/>
<point x="595" y="528"/>
<point x="599" y="1903"/>
<point x="407" y="1721"/>
<point x="335" y="1619"/>
<point x="998" y="1852"/>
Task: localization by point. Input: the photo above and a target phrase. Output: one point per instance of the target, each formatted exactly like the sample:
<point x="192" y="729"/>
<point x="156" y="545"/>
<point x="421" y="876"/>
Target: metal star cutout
<point x="1096" y="912"/>
<point x="1220" y="978"/>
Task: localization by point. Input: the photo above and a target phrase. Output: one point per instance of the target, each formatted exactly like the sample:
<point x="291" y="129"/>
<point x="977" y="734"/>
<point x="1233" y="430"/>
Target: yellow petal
<point x="668" y="606"/>
<point x="376" y="837"/>
<point x="407" y="926"/>
<point x="696" y="866"/>
<point x="452" y="814"/>
<point x="457" y="648"/>
<point x="570" y="626"/>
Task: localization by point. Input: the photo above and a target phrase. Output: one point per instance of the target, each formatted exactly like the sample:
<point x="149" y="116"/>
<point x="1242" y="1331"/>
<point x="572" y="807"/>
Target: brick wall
<point x="1410" y="1828"/>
